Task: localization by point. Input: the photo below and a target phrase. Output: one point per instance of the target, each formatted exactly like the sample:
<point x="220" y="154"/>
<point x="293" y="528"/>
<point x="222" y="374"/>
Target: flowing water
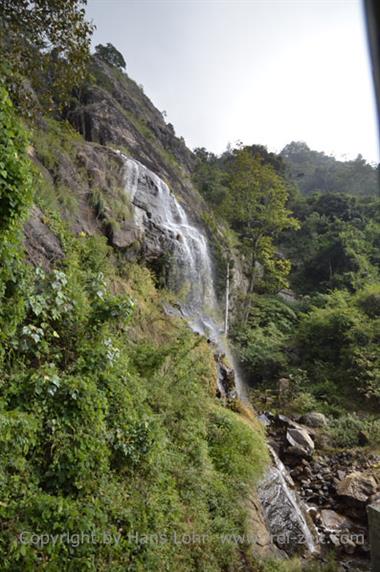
<point x="158" y="213"/>
<point x="164" y="223"/>
<point x="283" y="512"/>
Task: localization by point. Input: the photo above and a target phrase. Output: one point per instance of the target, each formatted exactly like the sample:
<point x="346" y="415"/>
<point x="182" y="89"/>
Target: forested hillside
<point x="115" y="452"/>
<point x="324" y="332"/>
<point x="124" y="442"/>
<point x="314" y="171"/>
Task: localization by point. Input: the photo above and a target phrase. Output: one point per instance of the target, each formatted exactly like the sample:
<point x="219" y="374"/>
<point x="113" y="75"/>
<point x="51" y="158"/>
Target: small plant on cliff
<point x="110" y="55"/>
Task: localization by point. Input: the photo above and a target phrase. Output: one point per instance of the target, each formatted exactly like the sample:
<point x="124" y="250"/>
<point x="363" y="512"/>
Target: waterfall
<point x="164" y="224"/>
<point x="161" y="218"/>
<point x="283" y="510"/>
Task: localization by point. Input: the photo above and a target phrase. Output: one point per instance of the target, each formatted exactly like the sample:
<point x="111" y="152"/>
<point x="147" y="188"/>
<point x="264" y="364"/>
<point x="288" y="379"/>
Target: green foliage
<point x="15" y="199"/>
<point x="262" y="340"/>
<point x="340" y="341"/>
<point x="338" y="244"/>
<point x="110" y="55"/>
<point x="15" y="182"/>
<point x="349" y="429"/>
<point x="232" y="443"/>
<point x="314" y="171"/>
<point x="47" y="43"/>
<point x="210" y="178"/>
<point x="304" y="402"/>
<point x="246" y="188"/>
<point x="109" y="427"/>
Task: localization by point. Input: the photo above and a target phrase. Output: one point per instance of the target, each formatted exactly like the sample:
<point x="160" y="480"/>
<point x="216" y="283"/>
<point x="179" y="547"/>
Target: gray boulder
<point x="300" y="443"/>
<point x="357" y="487"/>
<point x="314" y="419"/>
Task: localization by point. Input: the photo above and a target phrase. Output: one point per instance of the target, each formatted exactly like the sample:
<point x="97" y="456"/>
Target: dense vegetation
<point x="325" y="332"/>
<point x="115" y="452"/>
<point x="314" y="171"/>
<point x="44" y="45"/>
<point x="109" y="425"/>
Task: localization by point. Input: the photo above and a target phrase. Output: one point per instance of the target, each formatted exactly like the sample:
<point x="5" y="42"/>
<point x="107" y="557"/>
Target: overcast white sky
<point x="257" y="71"/>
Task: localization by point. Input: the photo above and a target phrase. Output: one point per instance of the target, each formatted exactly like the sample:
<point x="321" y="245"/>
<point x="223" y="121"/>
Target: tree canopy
<point x="110" y="55"/>
<point x="314" y="171"/>
<point x="44" y="47"/>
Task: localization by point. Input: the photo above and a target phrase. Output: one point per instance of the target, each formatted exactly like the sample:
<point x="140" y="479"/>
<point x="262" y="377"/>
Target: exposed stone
<point x="332" y="520"/>
<point x="226" y="375"/>
<point x="262" y="541"/>
<point x="374" y="533"/>
<point x="300" y="442"/>
<point x="357" y="486"/>
<point x="264" y="419"/>
<point x="127" y="235"/>
<point x="286" y="421"/>
<point x="283" y="385"/>
<point x="42" y="245"/>
<point x="314" y="419"/>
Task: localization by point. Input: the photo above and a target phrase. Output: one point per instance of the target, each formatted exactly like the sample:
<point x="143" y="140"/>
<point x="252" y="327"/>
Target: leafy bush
<point x="304" y="402"/>
<point x="15" y="199"/>
<point x="110" y="55"/>
<point x="109" y="426"/>
<point x="262" y="342"/>
<point x="340" y="341"/>
<point x="346" y="430"/>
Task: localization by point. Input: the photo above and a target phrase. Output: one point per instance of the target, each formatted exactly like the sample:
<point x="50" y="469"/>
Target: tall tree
<point x="44" y="46"/>
<point x="256" y="209"/>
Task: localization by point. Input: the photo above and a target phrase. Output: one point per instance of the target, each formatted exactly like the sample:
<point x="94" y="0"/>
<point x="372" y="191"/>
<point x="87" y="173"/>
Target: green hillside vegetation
<point x="113" y="438"/>
<point x="325" y="246"/>
<point x="109" y="421"/>
<point x="314" y="171"/>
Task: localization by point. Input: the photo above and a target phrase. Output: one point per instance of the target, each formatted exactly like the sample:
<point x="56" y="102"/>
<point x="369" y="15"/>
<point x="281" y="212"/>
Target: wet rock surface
<point x="286" y="516"/>
<point x="226" y="376"/>
<point x="336" y="487"/>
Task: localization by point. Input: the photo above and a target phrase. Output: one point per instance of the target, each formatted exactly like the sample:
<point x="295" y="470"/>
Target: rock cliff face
<point x="114" y="111"/>
<point x="112" y="114"/>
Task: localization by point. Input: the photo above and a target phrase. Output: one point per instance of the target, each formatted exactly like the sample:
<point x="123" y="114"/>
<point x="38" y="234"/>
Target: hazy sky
<point x="258" y="71"/>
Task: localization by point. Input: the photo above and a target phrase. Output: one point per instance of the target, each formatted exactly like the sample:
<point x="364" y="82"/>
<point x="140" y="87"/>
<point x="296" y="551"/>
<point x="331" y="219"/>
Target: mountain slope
<point x="314" y="171"/>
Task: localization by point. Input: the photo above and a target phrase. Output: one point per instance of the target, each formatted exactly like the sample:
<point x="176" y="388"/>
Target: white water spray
<point x="157" y="211"/>
<point x="160" y="217"/>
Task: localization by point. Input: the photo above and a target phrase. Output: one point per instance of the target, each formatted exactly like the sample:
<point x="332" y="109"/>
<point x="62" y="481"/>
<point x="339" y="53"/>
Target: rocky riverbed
<point x="335" y="486"/>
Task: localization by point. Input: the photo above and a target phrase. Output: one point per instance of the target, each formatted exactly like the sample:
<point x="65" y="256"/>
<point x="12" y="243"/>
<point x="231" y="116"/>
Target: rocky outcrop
<point x="314" y="419"/>
<point x="259" y="534"/>
<point x="226" y="376"/>
<point x="293" y="441"/>
<point x="300" y="443"/>
<point x="357" y="487"/>
<point x="114" y="111"/>
<point x="284" y="512"/>
<point x="42" y="246"/>
<point x="337" y="488"/>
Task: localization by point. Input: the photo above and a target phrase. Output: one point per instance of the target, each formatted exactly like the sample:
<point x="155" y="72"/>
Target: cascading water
<point x="157" y="212"/>
<point x="282" y="509"/>
<point x="163" y="221"/>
